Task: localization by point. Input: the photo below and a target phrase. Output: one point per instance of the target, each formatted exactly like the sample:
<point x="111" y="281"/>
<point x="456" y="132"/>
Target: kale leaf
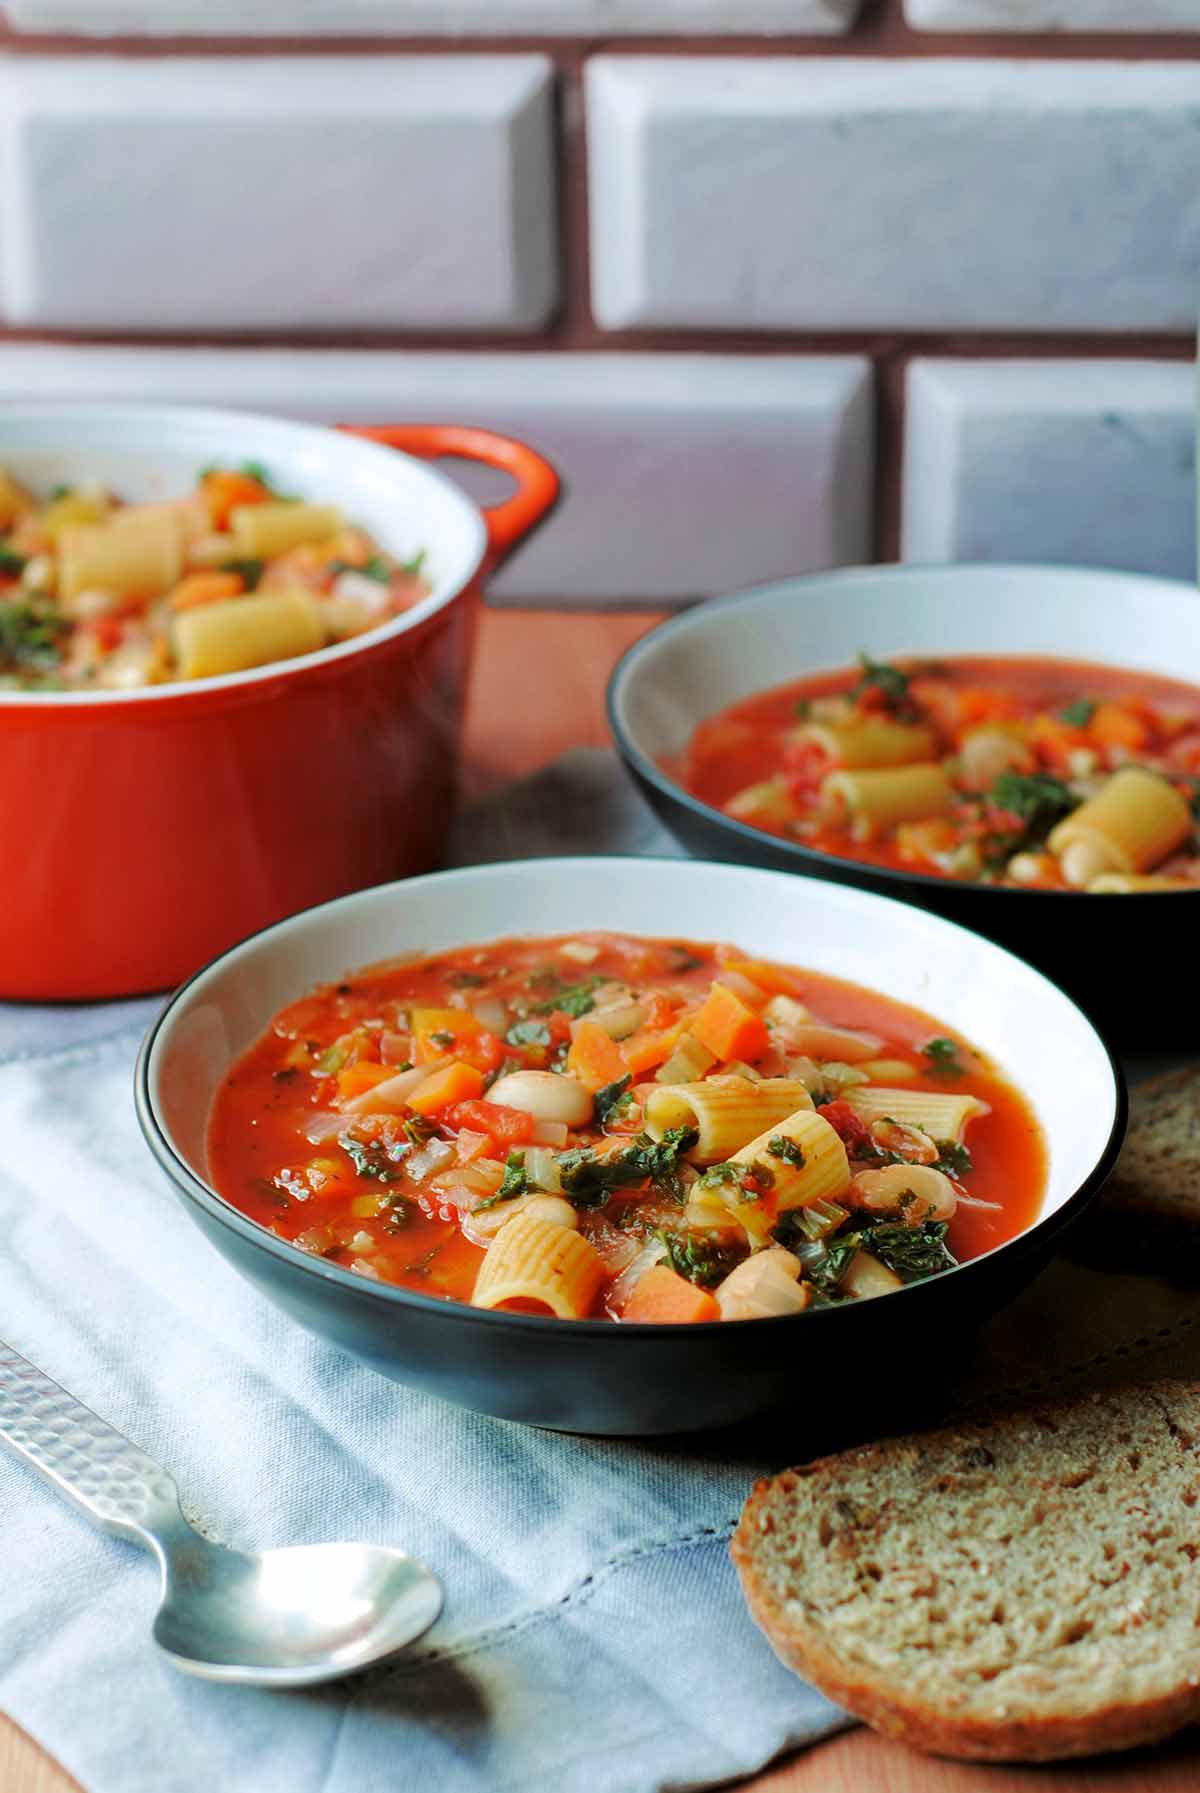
<point x="698" y="1260"/>
<point x="610" y="1100"/>
<point x="30" y="637"/>
<point x="573" y="999"/>
<point x="943" y="1057"/>
<point x="953" y="1159"/>
<point x="1079" y="713"/>
<point x="589" y="1180"/>
<point x="1035" y="798"/>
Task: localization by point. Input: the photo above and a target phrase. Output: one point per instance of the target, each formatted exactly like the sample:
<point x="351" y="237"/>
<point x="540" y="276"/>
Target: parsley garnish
<point x="413" y="567"/>
<point x="787" y="1149"/>
<point x="589" y="1180"/>
<point x="528" y="1033"/>
<point x="943" y="1057"/>
<point x="12" y="564"/>
<point x="1079" y="713"/>
<point x="610" y="1100"/>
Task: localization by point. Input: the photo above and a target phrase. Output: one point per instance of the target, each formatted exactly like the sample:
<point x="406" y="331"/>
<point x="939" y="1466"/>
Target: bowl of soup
<point x="233" y="654"/>
<point x="627" y="1146"/>
<point x="1016" y="747"/>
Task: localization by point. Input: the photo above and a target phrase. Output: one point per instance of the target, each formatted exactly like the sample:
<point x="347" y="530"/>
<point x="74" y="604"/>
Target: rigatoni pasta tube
<point x="235" y="633"/>
<point x="536" y="1260"/>
<point x="1128" y="826"/>
<point x="871" y="741"/>
<point x="935" y="1112"/>
<point x="824" y="1172"/>
<point x="1132" y="883"/>
<point x="138" y="561"/>
<point x="875" y="801"/>
<point x="725" y="1111"/>
<point x="261" y="531"/>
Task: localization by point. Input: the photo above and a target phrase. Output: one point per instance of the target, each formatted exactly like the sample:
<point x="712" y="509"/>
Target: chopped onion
<point x="580" y="951"/>
<point x="622" y="1286"/>
<point x="323" y="1126"/>
<point x="618" y="1020"/>
<point x="433" y="1155"/>
<point x="975" y="1201"/>
<point x="478" y="1180"/>
<point x="550" y="1133"/>
<point x="541" y="1168"/>
<point x="394" y="1047"/>
<point x="491" y="1013"/>
<point x="741" y="986"/>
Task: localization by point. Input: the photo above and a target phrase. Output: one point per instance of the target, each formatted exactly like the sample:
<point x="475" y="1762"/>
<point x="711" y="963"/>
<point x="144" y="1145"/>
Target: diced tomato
<point x="504" y="1126"/>
<point x="850" y="1127"/>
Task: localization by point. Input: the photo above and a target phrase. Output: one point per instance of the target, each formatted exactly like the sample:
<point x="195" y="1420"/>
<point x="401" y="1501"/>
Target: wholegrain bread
<point x="1156" y="1182"/>
<point x="1019" y="1590"/>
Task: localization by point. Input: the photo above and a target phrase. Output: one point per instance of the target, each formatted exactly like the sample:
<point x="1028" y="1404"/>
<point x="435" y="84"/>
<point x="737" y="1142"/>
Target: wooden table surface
<point x="538" y="689"/>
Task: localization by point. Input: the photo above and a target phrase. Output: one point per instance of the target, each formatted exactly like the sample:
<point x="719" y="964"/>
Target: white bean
<point x="916" y="1192"/>
<point x="546" y="1095"/>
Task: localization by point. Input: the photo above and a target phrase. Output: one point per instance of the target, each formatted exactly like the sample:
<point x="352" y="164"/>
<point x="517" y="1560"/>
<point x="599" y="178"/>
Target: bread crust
<point x="901" y="1712"/>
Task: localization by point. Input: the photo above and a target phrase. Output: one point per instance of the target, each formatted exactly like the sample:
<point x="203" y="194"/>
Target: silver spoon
<point x="277" y="1618"/>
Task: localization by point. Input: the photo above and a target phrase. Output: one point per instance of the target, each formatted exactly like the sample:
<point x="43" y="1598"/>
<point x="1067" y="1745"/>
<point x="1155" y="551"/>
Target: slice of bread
<point x="1157" y="1177"/>
<point x="1018" y="1590"/>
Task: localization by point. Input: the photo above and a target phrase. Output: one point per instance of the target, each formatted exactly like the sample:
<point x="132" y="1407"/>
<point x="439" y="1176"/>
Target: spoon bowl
<point x="291" y="1617"/>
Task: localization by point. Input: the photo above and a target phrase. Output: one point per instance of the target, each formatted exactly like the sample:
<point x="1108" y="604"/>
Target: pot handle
<point x="538" y="485"/>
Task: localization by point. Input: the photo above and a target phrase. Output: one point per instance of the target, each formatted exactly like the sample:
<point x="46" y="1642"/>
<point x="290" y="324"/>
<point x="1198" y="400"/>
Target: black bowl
<point x="592" y="1376"/>
<point x="1120" y="956"/>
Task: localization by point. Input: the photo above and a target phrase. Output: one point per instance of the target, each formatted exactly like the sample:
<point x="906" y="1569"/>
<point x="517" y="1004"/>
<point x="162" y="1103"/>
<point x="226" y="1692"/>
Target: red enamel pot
<point x="147" y="830"/>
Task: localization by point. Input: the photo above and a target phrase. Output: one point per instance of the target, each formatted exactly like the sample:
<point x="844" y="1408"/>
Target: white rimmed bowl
<point x="148" y="829"/>
<point x="593" y="1376"/>
<point x="1121" y="955"/>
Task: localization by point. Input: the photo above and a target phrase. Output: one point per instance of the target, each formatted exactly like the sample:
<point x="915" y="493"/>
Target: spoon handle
<point x="118" y="1486"/>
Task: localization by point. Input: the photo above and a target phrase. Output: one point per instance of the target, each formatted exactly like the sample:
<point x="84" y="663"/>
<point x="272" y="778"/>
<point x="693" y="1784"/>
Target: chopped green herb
<point x="528" y="1033"/>
<point x="57" y="492"/>
<point x="466" y="980"/>
<point x="1079" y="713"/>
<point x="888" y="681"/>
<point x="369" y="1158"/>
<point x="255" y="470"/>
<point x="12" y="564"/>
<point x="333" y="1057"/>
<point x="943" y="1057"/>
<point x="573" y="999"/>
<point x="443" y="1038"/>
<point x="699" y="1260"/>
<point x="398" y="1214"/>
<point x="251" y="571"/>
<point x="685" y="959"/>
<point x="514" y="1182"/>
<point x="417" y="1130"/>
<point x="1035" y="798"/>
<point x="803" y="709"/>
<point x="589" y="1180"/>
<point x="413" y="567"/>
<point x="953" y="1159"/>
<point x="375" y="568"/>
<point x="787" y="1149"/>
<point x="30" y="637"/>
<point x="610" y="1100"/>
<point x="716" y="1176"/>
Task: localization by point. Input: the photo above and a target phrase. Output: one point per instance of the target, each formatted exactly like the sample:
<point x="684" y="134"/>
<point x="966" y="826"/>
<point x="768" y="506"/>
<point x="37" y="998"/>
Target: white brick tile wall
<point x="837" y="193"/>
<point x="442" y="17"/>
<point x="277" y="193"/>
<point x="685" y="474"/>
<point x="1053" y="15"/>
<point x="1083" y="462"/>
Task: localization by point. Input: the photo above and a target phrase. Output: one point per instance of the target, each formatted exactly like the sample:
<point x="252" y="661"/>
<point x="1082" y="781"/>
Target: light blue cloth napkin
<point x="594" y="1638"/>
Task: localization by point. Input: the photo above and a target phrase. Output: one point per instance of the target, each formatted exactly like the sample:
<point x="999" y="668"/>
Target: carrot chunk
<point x="205" y="588"/>
<point x="648" y="1047"/>
<point x="1118" y="725"/>
<point x="224" y="488"/>
<point x="729" y="1027"/>
<point x="457" y="1083"/>
<point x="595" y="1058"/>
<point x="661" y="1298"/>
<point x="356" y="1079"/>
